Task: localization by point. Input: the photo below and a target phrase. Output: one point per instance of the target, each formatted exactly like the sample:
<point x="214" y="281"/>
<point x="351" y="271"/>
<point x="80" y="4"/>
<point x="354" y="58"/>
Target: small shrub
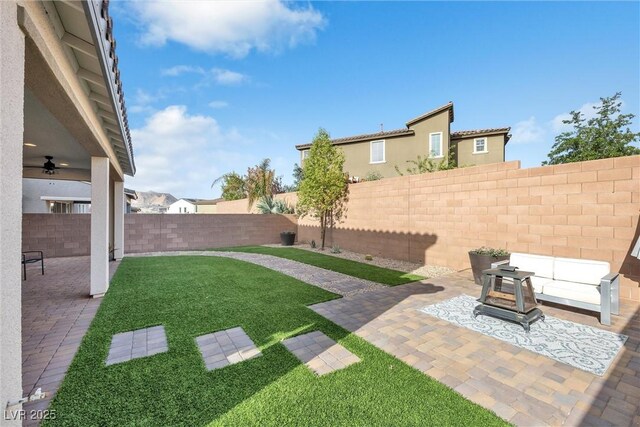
<point x="335" y="249"/>
<point x="373" y="176"/>
<point x="368" y="257"/>
<point x="490" y="251"/>
<point x="313" y="244"/>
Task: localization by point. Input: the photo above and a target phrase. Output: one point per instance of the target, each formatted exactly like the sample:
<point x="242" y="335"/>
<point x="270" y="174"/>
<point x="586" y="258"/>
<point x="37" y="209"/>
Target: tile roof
<point x="462" y="133"/>
<point x="364" y="137"/>
<point x="115" y="76"/>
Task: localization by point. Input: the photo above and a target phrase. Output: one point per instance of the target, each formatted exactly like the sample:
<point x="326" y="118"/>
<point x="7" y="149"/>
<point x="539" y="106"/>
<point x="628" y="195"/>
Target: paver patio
<point x="56" y="313"/>
<point x="518" y="385"/>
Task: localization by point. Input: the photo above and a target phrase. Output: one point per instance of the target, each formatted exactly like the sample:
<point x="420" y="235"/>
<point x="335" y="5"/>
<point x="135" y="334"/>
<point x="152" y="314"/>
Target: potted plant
<point x="287" y="238"/>
<point x="482" y="258"/>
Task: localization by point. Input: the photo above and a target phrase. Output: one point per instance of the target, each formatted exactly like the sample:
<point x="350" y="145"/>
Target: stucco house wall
<point x="466" y="157"/>
<point x="180" y="206"/>
<point x="34" y="189"/>
<point x="403" y="146"/>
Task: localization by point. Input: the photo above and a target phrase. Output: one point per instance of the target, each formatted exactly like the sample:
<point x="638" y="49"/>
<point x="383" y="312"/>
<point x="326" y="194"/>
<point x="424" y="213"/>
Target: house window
<point x="305" y="154"/>
<point x="377" y="152"/>
<point x="479" y="145"/>
<point x="60" y="207"/>
<point x="435" y="144"/>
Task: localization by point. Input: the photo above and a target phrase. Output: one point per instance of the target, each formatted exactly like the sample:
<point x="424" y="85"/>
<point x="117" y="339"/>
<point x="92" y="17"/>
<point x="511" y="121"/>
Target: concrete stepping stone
<point x="320" y="353"/>
<point x="130" y="345"/>
<point x="227" y="347"/>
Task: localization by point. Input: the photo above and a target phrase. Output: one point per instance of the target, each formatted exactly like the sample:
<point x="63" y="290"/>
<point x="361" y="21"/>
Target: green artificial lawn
<point x="360" y="270"/>
<point x="192" y="296"/>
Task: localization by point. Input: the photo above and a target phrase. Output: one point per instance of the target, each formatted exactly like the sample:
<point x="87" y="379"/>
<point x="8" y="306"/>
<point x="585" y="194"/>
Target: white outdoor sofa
<point x="580" y="283"/>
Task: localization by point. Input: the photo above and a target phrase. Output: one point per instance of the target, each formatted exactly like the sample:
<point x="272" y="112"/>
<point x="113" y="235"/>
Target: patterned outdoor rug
<point x="584" y="347"/>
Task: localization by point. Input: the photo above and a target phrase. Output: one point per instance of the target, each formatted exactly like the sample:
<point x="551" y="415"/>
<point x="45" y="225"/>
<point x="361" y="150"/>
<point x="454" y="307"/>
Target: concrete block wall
<point x="587" y="210"/>
<point x="60" y="235"/>
<point x="57" y="235"/>
<point x="152" y="232"/>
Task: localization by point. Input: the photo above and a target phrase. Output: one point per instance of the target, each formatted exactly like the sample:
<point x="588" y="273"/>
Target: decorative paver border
<point x="227" y="347"/>
<point x="320" y="353"/>
<point x="130" y="345"/>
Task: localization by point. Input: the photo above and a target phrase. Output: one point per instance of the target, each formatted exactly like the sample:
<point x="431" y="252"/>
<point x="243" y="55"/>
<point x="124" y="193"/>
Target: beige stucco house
<point x="426" y="135"/>
<point x="207" y="206"/>
<point x="61" y="98"/>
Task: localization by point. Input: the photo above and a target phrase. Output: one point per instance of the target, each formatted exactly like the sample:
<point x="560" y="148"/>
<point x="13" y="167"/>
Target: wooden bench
<point x="30" y="257"/>
<point x="579" y="283"/>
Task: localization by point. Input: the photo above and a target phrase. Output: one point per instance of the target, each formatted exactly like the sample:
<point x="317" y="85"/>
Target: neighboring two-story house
<point x="427" y="135"/>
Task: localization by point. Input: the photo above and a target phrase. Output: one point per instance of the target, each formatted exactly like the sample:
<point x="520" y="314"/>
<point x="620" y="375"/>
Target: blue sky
<point x="217" y="86"/>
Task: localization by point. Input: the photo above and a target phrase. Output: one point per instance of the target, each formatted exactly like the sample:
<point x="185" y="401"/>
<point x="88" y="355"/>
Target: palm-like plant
<point x="269" y="205"/>
<point x="259" y="181"/>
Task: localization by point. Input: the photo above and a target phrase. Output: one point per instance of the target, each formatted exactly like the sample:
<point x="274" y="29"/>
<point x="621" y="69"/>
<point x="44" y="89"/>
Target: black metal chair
<point x="29" y="258"/>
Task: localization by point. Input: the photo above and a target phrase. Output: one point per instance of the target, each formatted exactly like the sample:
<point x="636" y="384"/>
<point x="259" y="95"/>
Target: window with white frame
<point x="377" y="152"/>
<point x="435" y="144"/>
<point x="480" y="145"/>
<point x="305" y="154"/>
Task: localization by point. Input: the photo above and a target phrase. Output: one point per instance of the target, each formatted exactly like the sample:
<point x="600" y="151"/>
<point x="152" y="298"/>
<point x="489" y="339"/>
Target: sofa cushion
<point x="574" y="291"/>
<point x="539" y="283"/>
<point x="541" y="265"/>
<point x="580" y="270"/>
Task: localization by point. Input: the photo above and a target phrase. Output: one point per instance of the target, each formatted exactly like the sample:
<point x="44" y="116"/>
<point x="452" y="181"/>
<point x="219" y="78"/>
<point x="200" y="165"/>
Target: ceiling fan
<point x="49" y="167"/>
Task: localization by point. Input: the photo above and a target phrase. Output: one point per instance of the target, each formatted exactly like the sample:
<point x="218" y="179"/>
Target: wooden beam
<point x="90" y="76"/>
<point x="79" y="45"/>
<point x="108" y="115"/>
<point x="100" y="98"/>
<point x="112" y="127"/>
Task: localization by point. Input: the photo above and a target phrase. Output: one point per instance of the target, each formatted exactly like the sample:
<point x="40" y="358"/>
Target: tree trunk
<point x="323" y="228"/>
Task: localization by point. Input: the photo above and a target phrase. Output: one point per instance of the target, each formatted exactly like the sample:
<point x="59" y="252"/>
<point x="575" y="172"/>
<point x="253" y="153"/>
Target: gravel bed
<point x="428" y="271"/>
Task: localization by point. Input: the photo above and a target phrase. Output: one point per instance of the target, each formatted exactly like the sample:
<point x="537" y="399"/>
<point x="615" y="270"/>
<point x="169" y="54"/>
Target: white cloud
<point x="234" y="28"/>
<point x="182" y="154"/>
<point x="218" y="104"/>
<point x="587" y="111"/>
<point x="228" y="77"/>
<point x="142" y="102"/>
<point x="528" y="131"/>
<point x="181" y="69"/>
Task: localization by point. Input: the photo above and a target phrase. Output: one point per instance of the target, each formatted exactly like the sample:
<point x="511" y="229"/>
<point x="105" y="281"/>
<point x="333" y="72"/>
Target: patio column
<point x="118" y="219"/>
<point x="99" y="226"/>
<point x="12" y="45"/>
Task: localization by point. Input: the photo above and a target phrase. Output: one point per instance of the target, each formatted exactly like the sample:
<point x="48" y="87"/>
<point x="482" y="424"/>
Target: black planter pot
<point x="479" y="263"/>
<point x="287" y="238"/>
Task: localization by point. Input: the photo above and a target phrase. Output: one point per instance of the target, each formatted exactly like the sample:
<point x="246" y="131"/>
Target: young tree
<point x="324" y="190"/>
<point x="233" y="186"/>
<point x="603" y="136"/>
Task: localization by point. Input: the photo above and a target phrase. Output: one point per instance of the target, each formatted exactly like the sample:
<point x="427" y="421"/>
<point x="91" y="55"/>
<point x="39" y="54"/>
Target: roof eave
<point x="448" y="106"/>
<point x="368" y="138"/>
<point x="475" y="135"/>
<point x="93" y="11"/>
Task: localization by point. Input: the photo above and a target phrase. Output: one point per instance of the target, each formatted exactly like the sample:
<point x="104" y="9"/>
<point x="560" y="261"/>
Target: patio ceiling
<point x="50" y="138"/>
<point x="54" y="121"/>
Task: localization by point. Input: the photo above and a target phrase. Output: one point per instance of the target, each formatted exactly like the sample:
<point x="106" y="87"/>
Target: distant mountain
<point x="152" y="202"/>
